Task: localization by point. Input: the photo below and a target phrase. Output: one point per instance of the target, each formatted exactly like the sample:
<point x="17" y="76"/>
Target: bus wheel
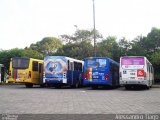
<point x="77" y="85"/>
<point x="94" y="86"/>
<point x="80" y="81"/>
<point x="42" y="85"/>
<point x="58" y="86"/>
<point x="48" y="85"/>
<point x="147" y="87"/>
<point x="127" y="87"/>
<point x="29" y="85"/>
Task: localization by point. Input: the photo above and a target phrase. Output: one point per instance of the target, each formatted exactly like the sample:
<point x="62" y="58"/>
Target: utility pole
<point x="94" y="30"/>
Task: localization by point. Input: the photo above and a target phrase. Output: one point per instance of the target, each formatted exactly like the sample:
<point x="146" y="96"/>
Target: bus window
<point x="80" y="66"/>
<point x="40" y="67"/>
<point x="21" y="63"/>
<point x="75" y="66"/>
<point x="72" y="66"/>
<point x="96" y="63"/>
<point x="35" y="66"/>
<point x="68" y="65"/>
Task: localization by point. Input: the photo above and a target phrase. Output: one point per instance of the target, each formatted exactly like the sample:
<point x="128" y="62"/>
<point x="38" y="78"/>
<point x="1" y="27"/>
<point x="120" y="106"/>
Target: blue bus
<point x="62" y="70"/>
<point x="100" y="71"/>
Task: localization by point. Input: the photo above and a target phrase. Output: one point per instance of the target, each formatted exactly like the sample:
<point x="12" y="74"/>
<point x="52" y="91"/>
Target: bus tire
<point x="94" y="86"/>
<point x="48" y="85"/>
<point x="147" y="87"/>
<point x="80" y="81"/>
<point x="42" y="85"/>
<point x="76" y="85"/>
<point x="29" y="85"/>
<point x="58" y="86"/>
<point x="127" y="87"/>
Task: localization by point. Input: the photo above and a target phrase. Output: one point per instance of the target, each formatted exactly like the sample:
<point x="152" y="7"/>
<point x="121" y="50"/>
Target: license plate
<point x="132" y="73"/>
<point x="132" y="82"/>
<point x="132" y="77"/>
<point x="17" y="79"/>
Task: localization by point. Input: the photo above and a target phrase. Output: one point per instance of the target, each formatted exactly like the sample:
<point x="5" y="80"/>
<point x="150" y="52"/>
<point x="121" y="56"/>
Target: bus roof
<point x="68" y="58"/>
<point x="132" y="56"/>
<point x="113" y="61"/>
<point x="72" y="59"/>
<point x="96" y="57"/>
<point x="28" y="58"/>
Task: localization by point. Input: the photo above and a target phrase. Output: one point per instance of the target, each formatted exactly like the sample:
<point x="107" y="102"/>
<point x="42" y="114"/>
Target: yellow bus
<point x="26" y="70"/>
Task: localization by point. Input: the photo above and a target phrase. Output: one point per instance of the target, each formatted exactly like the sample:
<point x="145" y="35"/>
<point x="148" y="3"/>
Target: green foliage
<point x="81" y="35"/>
<point x="153" y="40"/>
<point x="156" y="58"/>
<point x="124" y="46"/>
<point x="78" y="50"/>
<point x="32" y="54"/>
<point x="6" y="55"/>
<point x="47" y="46"/>
<point x="138" y="47"/>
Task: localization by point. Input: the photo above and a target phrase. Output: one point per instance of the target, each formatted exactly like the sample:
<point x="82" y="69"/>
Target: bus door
<point x="112" y="73"/>
<point x="72" y="70"/>
<point x="40" y="73"/>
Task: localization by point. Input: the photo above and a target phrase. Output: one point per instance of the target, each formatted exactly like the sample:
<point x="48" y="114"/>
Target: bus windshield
<point x="96" y="63"/>
<point x="21" y="63"/>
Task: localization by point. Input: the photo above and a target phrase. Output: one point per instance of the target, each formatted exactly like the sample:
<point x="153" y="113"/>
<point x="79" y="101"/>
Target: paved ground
<point x="16" y="99"/>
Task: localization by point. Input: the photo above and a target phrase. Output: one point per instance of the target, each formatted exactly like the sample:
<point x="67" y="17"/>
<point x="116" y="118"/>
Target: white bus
<point x="136" y="70"/>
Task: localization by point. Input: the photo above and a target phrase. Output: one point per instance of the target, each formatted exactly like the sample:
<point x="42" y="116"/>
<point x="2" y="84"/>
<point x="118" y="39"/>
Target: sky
<point x="23" y="22"/>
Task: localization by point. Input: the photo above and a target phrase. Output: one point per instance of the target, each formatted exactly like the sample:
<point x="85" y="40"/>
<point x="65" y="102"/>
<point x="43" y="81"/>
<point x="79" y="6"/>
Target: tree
<point x="32" y="54"/>
<point x="80" y="35"/>
<point x="153" y="40"/>
<point x="155" y="60"/>
<point x="108" y="48"/>
<point x="47" y="46"/>
<point x="74" y="50"/>
<point x="124" y="46"/>
<point x="6" y="55"/>
<point x="138" y="47"/>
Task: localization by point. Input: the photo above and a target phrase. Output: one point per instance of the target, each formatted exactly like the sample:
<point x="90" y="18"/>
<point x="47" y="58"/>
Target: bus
<point x="26" y="70"/>
<point x="136" y="71"/>
<point x="101" y="71"/>
<point x="1" y="73"/>
<point x="62" y="70"/>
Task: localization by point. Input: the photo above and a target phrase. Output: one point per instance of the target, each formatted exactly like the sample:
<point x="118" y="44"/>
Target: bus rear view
<point x="26" y="70"/>
<point x="61" y="70"/>
<point x="135" y="71"/>
<point x="101" y="71"/>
